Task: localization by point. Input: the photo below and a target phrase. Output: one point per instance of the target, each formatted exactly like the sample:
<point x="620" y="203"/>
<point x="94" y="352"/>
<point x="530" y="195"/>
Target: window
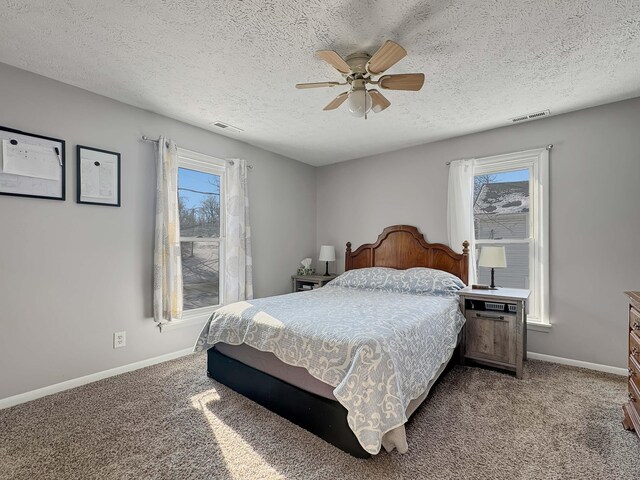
<point x="511" y="209"/>
<point x="200" y="197"/>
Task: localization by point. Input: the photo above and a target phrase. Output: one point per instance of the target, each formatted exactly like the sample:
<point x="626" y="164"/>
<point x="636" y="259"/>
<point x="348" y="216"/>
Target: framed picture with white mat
<point x="31" y="165"/>
<point x="98" y="176"/>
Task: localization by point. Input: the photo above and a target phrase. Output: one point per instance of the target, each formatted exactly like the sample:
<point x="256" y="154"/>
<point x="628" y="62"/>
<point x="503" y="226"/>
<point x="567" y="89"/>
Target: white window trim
<point x="197" y="317"/>
<point x="537" y="161"/>
<point x="217" y="166"/>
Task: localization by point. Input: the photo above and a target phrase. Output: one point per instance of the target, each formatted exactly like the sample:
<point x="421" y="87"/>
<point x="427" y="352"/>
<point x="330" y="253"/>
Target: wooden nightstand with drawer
<point x="631" y="409"/>
<point x="304" y="283"/>
<point x="495" y="333"/>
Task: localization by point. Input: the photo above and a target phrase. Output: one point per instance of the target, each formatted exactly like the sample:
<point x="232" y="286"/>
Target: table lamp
<point x="327" y="254"/>
<point x="493" y="257"/>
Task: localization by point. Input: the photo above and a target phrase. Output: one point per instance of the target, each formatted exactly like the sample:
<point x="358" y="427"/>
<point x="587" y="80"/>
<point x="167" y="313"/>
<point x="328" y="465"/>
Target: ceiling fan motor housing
<point x="358" y="62"/>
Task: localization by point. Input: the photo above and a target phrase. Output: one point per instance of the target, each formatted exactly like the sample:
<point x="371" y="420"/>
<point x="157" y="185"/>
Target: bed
<point x="352" y="361"/>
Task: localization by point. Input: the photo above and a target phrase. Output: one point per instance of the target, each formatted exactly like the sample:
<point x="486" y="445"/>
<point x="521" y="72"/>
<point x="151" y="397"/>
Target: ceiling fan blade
<point x="378" y="101"/>
<point x="387" y="56"/>
<point x="335" y="60"/>
<point x="316" y="85"/>
<point x="403" y="81"/>
<point x="336" y="102"/>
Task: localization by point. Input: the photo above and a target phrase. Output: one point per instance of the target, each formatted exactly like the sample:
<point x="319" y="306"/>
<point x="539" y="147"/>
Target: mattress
<point x="268" y="363"/>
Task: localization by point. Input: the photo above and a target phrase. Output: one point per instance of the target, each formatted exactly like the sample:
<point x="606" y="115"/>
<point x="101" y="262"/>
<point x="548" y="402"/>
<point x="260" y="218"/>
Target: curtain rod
<point x="144" y="138"/>
<point x="546" y="147"/>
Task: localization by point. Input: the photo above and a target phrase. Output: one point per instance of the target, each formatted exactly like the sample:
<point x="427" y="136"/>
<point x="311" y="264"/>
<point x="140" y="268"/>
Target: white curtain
<point x="238" y="281"/>
<point x="167" y="265"/>
<point x="460" y="211"/>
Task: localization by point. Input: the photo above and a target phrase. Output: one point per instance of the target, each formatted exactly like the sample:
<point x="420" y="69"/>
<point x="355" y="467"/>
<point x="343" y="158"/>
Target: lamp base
<point x="326" y="269"/>
<point x="493" y="283"/>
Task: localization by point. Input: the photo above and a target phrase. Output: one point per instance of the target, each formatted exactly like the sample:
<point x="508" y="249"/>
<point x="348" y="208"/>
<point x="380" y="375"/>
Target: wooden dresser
<point x="631" y="409"/>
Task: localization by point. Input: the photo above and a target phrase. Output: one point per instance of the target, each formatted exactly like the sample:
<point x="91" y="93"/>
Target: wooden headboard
<point x="402" y="247"/>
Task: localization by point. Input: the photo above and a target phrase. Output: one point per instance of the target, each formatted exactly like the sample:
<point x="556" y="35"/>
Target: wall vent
<point x="225" y="126"/>
<point x="531" y="116"/>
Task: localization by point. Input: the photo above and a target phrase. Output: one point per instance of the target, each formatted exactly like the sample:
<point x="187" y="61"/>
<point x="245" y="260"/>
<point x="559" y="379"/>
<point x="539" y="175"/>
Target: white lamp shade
<point x="493" y="257"/>
<point x="327" y="253"/>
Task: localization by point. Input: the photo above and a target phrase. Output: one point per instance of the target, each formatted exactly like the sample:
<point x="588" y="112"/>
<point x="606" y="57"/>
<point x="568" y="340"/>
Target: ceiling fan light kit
<point x="359" y="70"/>
<point x="359" y="99"/>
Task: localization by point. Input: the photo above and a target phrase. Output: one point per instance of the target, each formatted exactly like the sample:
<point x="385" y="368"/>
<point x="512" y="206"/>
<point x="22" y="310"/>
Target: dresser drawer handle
<point x="494" y="317"/>
<point x="631" y="397"/>
<point x="634" y="351"/>
<point x="631" y="372"/>
<point x="635" y="326"/>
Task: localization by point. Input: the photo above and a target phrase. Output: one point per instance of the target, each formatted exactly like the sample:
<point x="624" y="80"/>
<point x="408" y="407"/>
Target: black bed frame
<point x="323" y="417"/>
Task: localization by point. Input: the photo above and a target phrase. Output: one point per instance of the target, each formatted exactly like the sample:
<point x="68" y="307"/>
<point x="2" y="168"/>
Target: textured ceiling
<point x="237" y="61"/>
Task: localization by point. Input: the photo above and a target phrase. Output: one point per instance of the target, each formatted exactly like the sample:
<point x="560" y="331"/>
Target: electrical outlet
<point x="119" y="339"/>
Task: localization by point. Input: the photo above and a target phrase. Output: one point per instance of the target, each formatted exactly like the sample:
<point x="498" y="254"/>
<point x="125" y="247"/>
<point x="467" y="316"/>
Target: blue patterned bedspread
<point x="378" y="348"/>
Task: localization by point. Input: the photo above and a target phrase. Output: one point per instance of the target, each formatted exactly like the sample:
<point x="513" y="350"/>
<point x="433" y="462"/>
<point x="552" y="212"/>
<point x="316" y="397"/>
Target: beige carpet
<point x="170" y="421"/>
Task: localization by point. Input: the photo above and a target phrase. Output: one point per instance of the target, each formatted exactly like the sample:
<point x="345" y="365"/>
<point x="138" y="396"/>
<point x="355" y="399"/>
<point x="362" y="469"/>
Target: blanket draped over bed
<point x="379" y="349"/>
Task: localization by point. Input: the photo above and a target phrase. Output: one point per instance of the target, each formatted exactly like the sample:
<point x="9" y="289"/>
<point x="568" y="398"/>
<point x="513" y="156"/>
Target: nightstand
<point x="302" y="283"/>
<point x="495" y="333"/>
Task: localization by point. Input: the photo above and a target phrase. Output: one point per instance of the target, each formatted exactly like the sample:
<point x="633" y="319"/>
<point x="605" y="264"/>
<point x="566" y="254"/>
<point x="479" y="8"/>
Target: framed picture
<point x="98" y="176"/>
<point x="31" y="165"/>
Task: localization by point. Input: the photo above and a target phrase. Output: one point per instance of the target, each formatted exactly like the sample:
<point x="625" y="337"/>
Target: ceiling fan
<point x="359" y="70"/>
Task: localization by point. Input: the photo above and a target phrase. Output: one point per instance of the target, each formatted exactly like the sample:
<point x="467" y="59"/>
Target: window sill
<point x="539" y="327"/>
<point x="188" y="320"/>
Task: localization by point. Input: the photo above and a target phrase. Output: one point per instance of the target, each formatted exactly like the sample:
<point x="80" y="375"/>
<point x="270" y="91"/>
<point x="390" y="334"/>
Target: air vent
<point x="226" y="126"/>
<point x="531" y="116"/>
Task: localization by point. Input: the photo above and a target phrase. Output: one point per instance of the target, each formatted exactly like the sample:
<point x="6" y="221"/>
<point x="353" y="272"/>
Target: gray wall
<point x="71" y="275"/>
<point x="594" y="224"/>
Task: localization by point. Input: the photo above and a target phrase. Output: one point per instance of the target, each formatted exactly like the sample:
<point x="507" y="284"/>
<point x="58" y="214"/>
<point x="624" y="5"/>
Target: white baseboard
<point x="76" y="382"/>
<point x="577" y="363"/>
